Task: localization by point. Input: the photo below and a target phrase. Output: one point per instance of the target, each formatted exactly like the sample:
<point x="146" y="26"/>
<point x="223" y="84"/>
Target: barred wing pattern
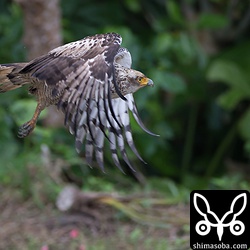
<point x="83" y="72"/>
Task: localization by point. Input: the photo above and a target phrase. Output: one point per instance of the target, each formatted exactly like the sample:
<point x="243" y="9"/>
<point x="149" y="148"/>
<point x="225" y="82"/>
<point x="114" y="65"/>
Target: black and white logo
<point x="219" y="219"/>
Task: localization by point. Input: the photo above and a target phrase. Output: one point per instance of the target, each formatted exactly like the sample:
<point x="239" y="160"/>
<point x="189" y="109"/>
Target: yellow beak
<point x="146" y="82"/>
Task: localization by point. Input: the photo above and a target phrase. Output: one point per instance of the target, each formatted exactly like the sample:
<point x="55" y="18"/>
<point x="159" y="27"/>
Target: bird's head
<point x="137" y="80"/>
<point x="129" y="80"/>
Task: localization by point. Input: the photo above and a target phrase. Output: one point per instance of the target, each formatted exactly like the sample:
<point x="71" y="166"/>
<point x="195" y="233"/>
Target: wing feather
<point x="89" y="149"/>
<point x="106" y="109"/>
<point x="90" y="102"/>
<point x="101" y="114"/>
<point x="112" y="139"/>
<point x="99" y="149"/>
<point x="82" y="73"/>
<point x="123" y="115"/>
<point x="133" y="109"/>
<point x="123" y="57"/>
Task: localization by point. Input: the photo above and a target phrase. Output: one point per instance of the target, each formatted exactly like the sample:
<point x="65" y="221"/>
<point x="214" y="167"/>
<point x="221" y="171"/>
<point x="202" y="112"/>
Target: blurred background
<point x="198" y="55"/>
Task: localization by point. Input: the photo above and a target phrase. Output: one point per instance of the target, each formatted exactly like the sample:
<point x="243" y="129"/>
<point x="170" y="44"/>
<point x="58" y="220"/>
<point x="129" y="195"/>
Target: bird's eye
<point x="139" y="79"/>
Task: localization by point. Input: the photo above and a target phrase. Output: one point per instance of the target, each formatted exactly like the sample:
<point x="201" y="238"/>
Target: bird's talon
<point x="25" y="129"/>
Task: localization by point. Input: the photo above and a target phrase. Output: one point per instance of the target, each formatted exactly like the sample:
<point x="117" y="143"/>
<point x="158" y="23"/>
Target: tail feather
<point x="8" y="73"/>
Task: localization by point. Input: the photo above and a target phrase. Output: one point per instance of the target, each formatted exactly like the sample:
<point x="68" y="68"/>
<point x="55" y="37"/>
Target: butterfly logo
<point x="203" y="227"/>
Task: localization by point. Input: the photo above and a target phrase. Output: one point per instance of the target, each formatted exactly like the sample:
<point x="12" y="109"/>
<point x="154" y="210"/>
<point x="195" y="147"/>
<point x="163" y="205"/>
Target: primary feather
<point x="92" y="82"/>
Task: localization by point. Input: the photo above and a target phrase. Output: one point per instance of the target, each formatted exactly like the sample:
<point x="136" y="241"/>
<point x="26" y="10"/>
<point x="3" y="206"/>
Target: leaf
<point x="133" y="5"/>
<point x="231" y="98"/>
<point x="229" y="73"/>
<point x="244" y="125"/>
<point x="185" y="48"/>
<point x="174" y="12"/>
<point x="212" y="21"/>
<point x="23" y="110"/>
<point x="169" y="82"/>
<point x="162" y="43"/>
<point x="232" y="75"/>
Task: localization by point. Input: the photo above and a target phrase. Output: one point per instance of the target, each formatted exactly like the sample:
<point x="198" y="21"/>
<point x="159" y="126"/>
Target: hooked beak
<point x="146" y="82"/>
<point x="150" y="83"/>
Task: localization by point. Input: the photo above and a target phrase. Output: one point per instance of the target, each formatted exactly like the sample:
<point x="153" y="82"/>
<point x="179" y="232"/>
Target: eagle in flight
<point x="92" y="82"/>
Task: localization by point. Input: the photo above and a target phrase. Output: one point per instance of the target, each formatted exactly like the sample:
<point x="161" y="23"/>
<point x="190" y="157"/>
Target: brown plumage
<point x="92" y="82"/>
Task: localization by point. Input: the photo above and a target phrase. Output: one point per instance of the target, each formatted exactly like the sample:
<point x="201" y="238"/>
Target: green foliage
<point x="212" y="21"/>
<point x="238" y="81"/>
<point x="199" y="105"/>
<point x="232" y="69"/>
<point x="11" y="33"/>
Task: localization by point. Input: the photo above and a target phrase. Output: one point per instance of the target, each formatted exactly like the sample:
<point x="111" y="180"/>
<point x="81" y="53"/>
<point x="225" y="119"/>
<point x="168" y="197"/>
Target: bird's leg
<point x="29" y="126"/>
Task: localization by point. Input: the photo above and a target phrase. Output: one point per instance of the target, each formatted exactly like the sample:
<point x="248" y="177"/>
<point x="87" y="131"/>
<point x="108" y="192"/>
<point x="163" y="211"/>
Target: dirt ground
<point x="24" y="225"/>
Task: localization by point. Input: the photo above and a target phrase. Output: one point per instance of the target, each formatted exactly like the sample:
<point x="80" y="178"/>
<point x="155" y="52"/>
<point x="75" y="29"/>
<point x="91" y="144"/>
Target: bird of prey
<point x="92" y="82"/>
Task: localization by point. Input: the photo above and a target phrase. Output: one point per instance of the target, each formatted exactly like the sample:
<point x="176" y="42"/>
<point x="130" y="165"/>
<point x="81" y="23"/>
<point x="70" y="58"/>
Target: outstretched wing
<point x="99" y="116"/>
<point x="81" y="73"/>
<point x="71" y="65"/>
